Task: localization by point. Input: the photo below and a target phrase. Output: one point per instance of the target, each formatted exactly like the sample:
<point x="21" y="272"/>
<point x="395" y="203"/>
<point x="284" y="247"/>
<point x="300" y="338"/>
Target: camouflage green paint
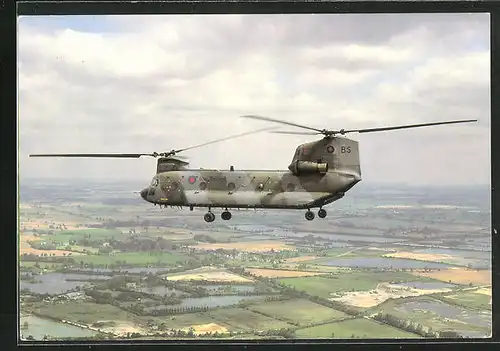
<point x="262" y="188"/>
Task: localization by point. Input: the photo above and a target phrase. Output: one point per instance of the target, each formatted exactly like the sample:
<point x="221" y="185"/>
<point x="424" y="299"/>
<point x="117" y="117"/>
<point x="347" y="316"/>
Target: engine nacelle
<point x="308" y="167"/>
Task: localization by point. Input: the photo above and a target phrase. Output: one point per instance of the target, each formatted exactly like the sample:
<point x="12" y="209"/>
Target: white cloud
<point x="153" y="83"/>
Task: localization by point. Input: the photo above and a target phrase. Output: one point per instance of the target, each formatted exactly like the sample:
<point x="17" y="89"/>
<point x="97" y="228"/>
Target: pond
<point x="57" y="283"/>
<point x="427" y="285"/>
<point x="38" y="327"/>
<point x="444" y="310"/>
<point x="380" y="262"/>
<point x="209" y="301"/>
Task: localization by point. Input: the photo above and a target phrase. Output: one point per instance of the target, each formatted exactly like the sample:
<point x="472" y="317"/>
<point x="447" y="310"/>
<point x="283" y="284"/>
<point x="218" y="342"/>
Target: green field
<point x="239" y="319"/>
<point x="64" y="236"/>
<point x="358" y="328"/>
<point x="78" y="311"/>
<point x="299" y="311"/>
<point x="133" y="258"/>
<point x="468" y="299"/>
<point x="43" y="265"/>
<point x="344" y="281"/>
<point x="234" y="319"/>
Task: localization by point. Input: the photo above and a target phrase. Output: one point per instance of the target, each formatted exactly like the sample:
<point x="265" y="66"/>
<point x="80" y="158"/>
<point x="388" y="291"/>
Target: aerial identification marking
<point x="345" y="149"/>
<point x="192" y="179"/>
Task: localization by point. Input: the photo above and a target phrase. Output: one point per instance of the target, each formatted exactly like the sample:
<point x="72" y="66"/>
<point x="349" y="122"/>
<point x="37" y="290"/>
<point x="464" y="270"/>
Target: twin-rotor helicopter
<point x="320" y="173"/>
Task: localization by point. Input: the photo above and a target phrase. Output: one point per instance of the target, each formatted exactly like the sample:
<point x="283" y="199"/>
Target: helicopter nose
<point x="144" y="193"/>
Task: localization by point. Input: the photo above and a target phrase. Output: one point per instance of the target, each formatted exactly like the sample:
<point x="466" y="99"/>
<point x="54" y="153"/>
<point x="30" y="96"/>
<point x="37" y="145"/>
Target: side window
<point x="154" y="184"/>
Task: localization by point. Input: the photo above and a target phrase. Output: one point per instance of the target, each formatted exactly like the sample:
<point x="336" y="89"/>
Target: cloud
<point x="153" y="83"/>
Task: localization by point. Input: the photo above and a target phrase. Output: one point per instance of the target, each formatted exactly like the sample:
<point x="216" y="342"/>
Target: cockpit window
<point x="155" y="182"/>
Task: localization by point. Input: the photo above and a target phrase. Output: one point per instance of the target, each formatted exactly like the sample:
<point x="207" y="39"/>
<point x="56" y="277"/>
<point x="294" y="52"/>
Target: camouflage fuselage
<point x="247" y="188"/>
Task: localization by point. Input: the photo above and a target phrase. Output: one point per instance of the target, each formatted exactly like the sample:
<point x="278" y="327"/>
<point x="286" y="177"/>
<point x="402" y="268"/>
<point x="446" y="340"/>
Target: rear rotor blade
<point x="261" y="118"/>
<point x="223" y="139"/>
<point x="381" y="129"/>
<point x="93" y="155"/>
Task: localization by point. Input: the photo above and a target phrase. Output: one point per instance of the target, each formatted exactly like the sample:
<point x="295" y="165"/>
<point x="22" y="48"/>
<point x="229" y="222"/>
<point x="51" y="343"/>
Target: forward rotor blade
<point x="261" y="118"/>
<point x="295" y="133"/>
<point x="224" y="139"/>
<point x="92" y="155"/>
<point x="381" y="129"/>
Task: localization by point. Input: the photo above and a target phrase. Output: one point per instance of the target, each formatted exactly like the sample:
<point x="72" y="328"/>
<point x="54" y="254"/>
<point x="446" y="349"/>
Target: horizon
<point x="199" y="73"/>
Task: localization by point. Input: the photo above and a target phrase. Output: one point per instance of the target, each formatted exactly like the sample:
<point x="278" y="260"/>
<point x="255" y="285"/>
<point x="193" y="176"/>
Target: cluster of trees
<point x="283" y="332"/>
<point x="47" y="258"/>
<point x="407" y="325"/>
<point x="136" y="243"/>
<point x="353" y="311"/>
<point x="167" y="311"/>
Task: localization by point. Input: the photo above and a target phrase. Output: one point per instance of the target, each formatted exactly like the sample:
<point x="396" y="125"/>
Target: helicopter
<point x="320" y="173"/>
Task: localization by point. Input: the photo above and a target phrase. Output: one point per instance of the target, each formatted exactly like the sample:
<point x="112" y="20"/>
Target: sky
<point x="136" y="84"/>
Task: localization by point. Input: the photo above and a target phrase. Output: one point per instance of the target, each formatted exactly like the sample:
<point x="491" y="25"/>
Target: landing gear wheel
<point x="209" y="217"/>
<point x="226" y="215"/>
<point x="321" y="213"/>
<point x="309" y="215"/>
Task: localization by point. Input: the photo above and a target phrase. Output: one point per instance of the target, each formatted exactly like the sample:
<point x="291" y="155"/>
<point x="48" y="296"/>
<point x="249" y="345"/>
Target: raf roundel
<point x="192" y="179"/>
<point x="330" y="149"/>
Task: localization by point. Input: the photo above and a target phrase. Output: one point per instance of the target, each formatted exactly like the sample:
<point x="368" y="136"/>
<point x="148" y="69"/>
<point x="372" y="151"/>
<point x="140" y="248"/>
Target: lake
<point x="209" y="301"/>
<point x="38" y="327"/>
<point x="380" y="262"/>
<point x="444" y="310"/>
<point x="56" y="283"/>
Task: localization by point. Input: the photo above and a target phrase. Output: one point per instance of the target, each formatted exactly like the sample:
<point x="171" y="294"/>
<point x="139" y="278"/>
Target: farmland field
<point x="215" y="276"/>
<point x="135" y="258"/>
<point x="469" y="299"/>
<point x="459" y="276"/>
<point x="251" y="246"/>
<point x="350" y="281"/>
<point x="298" y="311"/>
<point x="239" y="319"/>
<point x="277" y="273"/>
<point x="354" y="328"/>
<point x="166" y="274"/>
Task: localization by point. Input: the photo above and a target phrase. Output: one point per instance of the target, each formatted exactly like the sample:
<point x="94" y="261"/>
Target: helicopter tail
<point x="345" y="156"/>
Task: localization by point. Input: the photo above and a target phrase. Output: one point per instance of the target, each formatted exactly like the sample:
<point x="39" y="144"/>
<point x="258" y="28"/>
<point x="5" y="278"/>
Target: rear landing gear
<point x="321" y="213"/>
<point x="226" y="215"/>
<point x="309" y="215"/>
<point x="209" y="217"/>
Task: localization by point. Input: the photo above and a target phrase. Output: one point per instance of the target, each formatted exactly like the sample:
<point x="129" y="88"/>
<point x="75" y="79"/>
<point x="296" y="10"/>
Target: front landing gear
<point x="321" y="213"/>
<point x="309" y="215"/>
<point x="226" y="215"/>
<point x="209" y="217"/>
